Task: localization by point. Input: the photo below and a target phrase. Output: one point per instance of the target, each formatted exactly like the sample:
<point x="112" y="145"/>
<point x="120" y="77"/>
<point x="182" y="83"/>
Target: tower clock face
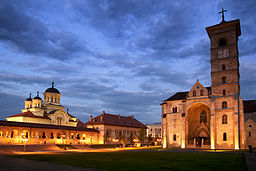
<point x="223" y="53"/>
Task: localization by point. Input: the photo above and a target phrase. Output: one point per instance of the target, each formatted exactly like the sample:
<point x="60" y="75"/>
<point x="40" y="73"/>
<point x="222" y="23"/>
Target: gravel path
<point x="15" y="164"/>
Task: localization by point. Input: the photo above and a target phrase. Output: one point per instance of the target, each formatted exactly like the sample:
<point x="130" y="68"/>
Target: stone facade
<point x="123" y="128"/>
<point x="210" y="117"/>
<point x="154" y="130"/>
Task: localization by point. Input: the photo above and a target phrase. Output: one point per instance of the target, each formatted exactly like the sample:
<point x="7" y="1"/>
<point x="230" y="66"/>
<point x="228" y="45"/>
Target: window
<point x="43" y="136"/>
<point x="58" y="135"/>
<point x="202" y="92"/>
<point x="51" y="99"/>
<point x="224" y="136"/>
<point x="164" y="115"/>
<point x="250" y="134"/>
<point x="12" y="134"/>
<point x="224" y="119"/>
<point x="51" y="135"/>
<point x="224" y="92"/>
<point x="59" y="119"/>
<point x="224" y="80"/>
<point x="223" y="67"/>
<point x="26" y="135"/>
<point x="203" y="117"/>
<point x="194" y="93"/>
<point x="78" y="136"/>
<point x="72" y="136"/>
<point x="250" y="125"/>
<point x="222" y="42"/>
<point x="224" y="104"/>
<point x="174" y="109"/>
<point x="174" y="137"/>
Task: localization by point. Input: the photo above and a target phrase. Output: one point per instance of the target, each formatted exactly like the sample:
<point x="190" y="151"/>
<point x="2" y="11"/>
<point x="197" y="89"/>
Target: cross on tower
<point x="222" y="12"/>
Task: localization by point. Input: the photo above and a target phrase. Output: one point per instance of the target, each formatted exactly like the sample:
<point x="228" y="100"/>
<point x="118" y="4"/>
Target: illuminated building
<point x="123" y="128"/>
<point x="210" y="117"/>
<point x="45" y="122"/>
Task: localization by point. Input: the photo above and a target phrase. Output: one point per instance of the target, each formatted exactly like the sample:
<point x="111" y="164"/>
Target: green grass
<point x="147" y="160"/>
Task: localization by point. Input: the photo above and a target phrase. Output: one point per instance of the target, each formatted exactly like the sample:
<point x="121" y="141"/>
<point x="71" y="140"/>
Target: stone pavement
<point x="16" y="164"/>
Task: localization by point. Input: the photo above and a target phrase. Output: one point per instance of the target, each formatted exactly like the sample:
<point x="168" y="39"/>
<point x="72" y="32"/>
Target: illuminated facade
<point x="122" y="128"/>
<point x="45" y="122"/>
<point x="210" y="117"/>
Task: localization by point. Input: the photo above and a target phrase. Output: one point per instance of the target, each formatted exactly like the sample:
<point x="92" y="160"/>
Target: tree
<point x="107" y="135"/>
<point x="142" y="135"/>
<point x="130" y="138"/>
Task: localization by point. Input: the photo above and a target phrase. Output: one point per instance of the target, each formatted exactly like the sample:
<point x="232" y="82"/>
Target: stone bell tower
<point x="227" y="115"/>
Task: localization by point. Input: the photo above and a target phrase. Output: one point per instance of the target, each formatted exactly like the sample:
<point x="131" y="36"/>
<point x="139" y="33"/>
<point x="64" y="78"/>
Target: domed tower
<point x="28" y="102"/>
<point x="52" y="96"/>
<point x="37" y="101"/>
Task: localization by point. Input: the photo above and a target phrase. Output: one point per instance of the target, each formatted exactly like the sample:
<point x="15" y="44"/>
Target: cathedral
<point x="46" y="122"/>
<point x="210" y="117"/>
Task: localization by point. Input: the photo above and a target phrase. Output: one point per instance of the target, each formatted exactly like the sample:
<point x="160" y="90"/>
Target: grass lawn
<point x="127" y="160"/>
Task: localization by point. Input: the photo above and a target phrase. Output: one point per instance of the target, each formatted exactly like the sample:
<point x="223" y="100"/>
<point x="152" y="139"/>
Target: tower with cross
<point x="222" y="12"/>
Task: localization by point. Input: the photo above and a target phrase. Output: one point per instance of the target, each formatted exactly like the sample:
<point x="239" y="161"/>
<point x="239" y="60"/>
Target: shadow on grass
<point x="147" y="160"/>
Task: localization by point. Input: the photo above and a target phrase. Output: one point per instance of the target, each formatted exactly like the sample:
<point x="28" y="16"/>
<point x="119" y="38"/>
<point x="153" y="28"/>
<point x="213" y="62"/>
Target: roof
<point x="117" y="120"/>
<point x="52" y="90"/>
<point x="178" y="96"/>
<point x="250" y="110"/>
<point x="182" y="95"/>
<point x="47" y="126"/>
<point x="29" y="114"/>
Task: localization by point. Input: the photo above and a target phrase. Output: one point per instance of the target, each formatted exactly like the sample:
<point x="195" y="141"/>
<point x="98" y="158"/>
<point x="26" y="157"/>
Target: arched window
<point x="224" y="92"/>
<point x="202" y="92"/>
<point x="174" y="137"/>
<point x="203" y="117"/>
<point x="224" y="136"/>
<point x="224" y="80"/>
<point x="72" y="136"/>
<point x="12" y="134"/>
<point x="51" y="135"/>
<point x="224" y="105"/>
<point x="58" y="135"/>
<point x="194" y="93"/>
<point x="43" y="136"/>
<point x="77" y="136"/>
<point x="223" y="42"/>
<point x="250" y="134"/>
<point x="51" y="99"/>
<point x="26" y="135"/>
<point x="174" y="109"/>
<point x="224" y="119"/>
<point x="223" y="67"/>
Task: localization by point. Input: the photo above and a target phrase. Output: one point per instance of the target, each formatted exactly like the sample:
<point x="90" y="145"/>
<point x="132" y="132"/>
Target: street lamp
<point x="24" y="141"/>
<point x="82" y="141"/>
<point x="115" y="141"/>
<point x="136" y="141"/>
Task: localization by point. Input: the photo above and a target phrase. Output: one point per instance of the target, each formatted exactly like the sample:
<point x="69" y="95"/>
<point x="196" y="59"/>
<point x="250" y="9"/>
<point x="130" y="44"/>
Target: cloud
<point x="28" y="34"/>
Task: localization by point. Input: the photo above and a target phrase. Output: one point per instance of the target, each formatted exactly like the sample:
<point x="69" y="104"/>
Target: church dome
<point x="29" y="99"/>
<point x="52" y="89"/>
<point x="37" y="96"/>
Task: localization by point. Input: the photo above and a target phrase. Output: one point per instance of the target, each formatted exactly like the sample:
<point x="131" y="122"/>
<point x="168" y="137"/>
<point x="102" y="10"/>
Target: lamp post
<point x="135" y="141"/>
<point x="82" y="141"/>
<point x="115" y="141"/>
<point x="24" y="141"/>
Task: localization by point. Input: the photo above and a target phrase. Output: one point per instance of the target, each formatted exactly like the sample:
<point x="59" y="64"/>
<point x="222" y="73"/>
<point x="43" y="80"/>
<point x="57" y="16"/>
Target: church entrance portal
<point x="198" y="116"/>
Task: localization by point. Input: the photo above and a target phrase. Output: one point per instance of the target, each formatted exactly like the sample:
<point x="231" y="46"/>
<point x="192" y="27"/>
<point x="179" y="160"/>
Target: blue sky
<point x="121" y="56"/>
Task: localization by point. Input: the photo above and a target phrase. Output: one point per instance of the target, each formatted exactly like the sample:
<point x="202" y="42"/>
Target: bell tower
<point x="225" y="87"/>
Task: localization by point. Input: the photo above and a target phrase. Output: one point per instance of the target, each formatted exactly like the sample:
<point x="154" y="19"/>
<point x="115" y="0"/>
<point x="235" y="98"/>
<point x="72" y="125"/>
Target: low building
<point x="46" y="122"/>
<point x="250" y="121"/>
<point x="123" y="128"/>
<point x="154" y="130"/>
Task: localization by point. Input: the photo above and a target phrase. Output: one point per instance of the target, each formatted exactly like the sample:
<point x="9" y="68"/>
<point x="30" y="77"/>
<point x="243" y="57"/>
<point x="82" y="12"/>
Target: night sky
<point x="122" y="56"/>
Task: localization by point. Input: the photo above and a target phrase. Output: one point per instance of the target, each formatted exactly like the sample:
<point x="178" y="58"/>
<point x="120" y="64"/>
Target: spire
<point x="53" y="84"/>
<point x="37" y="94"/>
<point x="29" y="95"/>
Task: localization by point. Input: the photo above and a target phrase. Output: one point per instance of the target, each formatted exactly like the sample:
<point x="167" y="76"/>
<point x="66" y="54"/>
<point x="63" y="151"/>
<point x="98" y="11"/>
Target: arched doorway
<point x="198" y="116"/>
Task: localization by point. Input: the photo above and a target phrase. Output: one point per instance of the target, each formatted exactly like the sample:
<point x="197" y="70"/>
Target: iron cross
<point x="222" y="12"/>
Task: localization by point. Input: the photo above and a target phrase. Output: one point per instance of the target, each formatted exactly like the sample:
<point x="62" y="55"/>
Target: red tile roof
<point x="29" y="114"/>
<point x="47" y="126"/>
<point x="117" y="120"/>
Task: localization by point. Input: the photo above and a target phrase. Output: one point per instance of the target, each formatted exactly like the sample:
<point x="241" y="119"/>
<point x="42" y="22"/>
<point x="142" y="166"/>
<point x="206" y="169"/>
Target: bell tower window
<point x="224" y="79"/>
<point x="223" y="67"/>
<point x="222" y="42"/>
